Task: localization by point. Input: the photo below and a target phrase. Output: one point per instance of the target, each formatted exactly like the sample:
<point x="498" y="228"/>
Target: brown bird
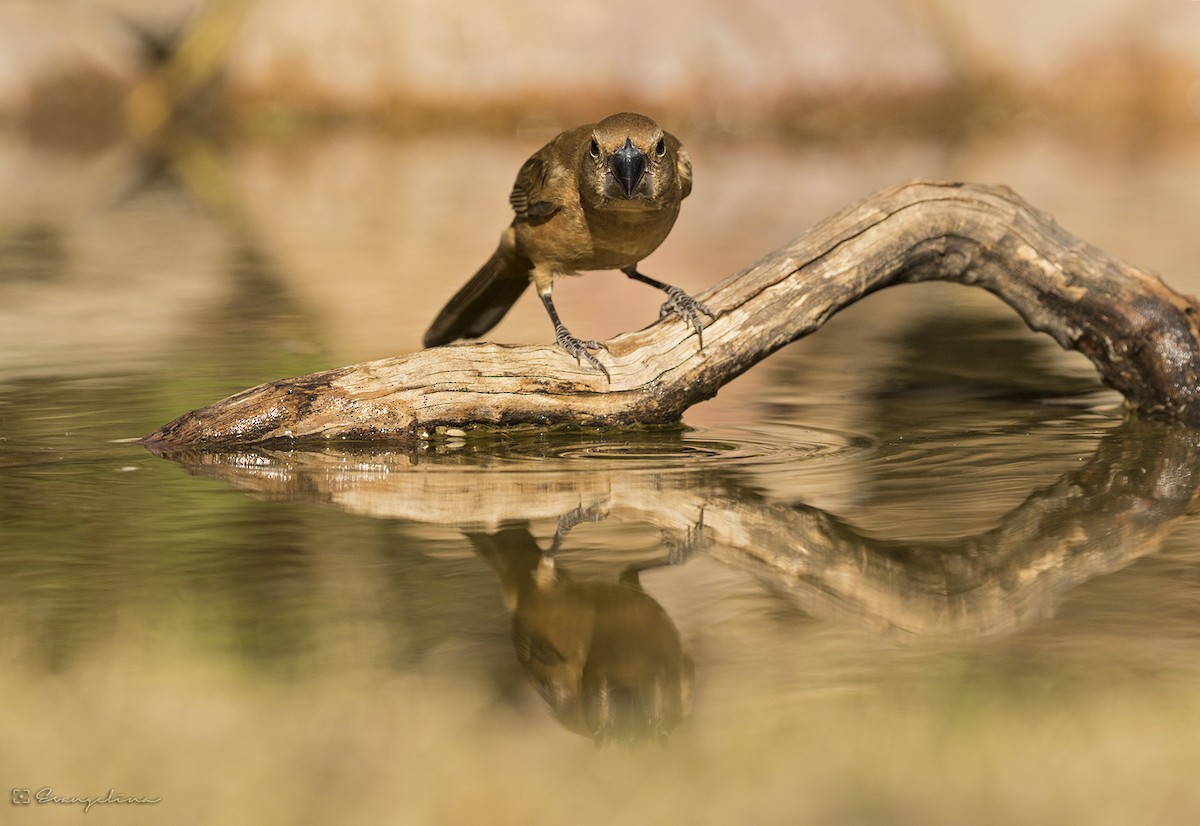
<point x="603" y="654"/>
<point x="599" y="196"/>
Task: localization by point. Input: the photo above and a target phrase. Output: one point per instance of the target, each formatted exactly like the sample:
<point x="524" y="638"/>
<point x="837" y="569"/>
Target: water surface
<point x="917" y="568"/>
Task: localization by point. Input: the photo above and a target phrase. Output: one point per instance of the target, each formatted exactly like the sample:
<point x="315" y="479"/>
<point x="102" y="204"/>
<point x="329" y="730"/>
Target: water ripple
<point x="764" y="445"/>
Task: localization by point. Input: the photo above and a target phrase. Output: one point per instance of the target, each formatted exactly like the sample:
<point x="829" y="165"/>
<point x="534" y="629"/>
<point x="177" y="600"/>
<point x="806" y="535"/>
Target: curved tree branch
<point x="1143" y="337"/>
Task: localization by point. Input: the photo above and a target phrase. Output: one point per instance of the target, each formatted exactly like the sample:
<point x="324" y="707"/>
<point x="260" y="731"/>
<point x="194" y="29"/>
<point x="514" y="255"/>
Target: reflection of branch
<point x="1142" y="337"/>
<point x="1094" y="520"/>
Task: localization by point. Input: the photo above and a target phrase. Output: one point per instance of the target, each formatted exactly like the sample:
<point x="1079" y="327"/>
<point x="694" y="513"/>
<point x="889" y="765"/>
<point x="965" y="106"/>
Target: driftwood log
<point x="1143" y="337"/>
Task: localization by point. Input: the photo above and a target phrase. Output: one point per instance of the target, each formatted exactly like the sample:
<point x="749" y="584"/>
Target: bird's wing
<point x="529" y="190"/>
<point x="683" y="163"/>
<point x="542" y="181"/>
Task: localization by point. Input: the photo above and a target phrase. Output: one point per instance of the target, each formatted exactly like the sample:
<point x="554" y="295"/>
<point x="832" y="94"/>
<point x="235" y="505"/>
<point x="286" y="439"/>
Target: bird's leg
<point x="693" y="541"/>
<point x="596" y="512"/>
<point x="677" y="302"/>
<point x="546" y="572"/>
<point x="579" y="349"/>
<point x="679" y="551"/>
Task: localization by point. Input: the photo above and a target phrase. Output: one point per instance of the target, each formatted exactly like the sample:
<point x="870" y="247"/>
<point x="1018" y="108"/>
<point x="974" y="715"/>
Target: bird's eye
<point x="594" y="148"/>
<point x="660" y="148"/>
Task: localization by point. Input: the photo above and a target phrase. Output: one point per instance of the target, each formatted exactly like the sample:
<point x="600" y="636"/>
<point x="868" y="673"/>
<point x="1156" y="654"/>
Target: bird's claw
<point x="581" y="350"/>
<point x="595" y="512"/>
<point x="680" y="550"/>
<point x="687" y="308"/>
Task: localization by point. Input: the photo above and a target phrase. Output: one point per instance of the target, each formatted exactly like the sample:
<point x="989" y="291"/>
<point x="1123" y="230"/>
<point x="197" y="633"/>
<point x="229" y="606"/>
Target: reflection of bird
<point x="604" y="655"/>
<point x="600" y="196"/>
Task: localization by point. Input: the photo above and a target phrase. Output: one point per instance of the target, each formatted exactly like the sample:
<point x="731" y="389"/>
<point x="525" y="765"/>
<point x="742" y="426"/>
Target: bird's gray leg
<point x="678" y="302"/>
<point x="596" y="512"/>
<point x="579" y="349"/>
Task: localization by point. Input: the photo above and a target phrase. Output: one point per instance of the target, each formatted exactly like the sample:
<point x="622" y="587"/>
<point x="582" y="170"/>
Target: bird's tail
<point x="483" y="301"/>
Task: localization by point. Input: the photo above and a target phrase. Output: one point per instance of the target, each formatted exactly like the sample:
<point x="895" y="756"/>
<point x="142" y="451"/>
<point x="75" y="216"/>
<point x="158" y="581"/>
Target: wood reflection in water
<point x="605" y="654"/>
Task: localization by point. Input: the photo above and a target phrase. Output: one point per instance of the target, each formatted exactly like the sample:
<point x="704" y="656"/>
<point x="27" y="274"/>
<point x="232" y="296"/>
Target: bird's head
<point x="630" y="162"/>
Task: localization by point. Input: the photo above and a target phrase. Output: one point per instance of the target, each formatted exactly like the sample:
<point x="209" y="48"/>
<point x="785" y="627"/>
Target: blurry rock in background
<point x="67" y="67"/>
<point x="819" y="69"/>
<point x="816" y="67"/>
<point x="710" y="59"/>
<point x="64" y="71"/>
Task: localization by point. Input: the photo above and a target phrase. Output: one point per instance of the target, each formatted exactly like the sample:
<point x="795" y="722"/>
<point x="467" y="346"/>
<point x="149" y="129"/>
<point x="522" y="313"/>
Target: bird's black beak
<point x="627" y="165"/>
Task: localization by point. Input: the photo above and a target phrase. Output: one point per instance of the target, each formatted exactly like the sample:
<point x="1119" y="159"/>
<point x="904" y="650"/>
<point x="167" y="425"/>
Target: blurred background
<point x="196" y="197"/>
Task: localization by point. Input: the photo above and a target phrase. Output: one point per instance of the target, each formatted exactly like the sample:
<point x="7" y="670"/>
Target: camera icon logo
<point x="21" y="797"/>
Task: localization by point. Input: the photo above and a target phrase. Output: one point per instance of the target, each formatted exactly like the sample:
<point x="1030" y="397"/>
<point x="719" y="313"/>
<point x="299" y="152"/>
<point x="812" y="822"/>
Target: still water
<point x="917" y="568"/>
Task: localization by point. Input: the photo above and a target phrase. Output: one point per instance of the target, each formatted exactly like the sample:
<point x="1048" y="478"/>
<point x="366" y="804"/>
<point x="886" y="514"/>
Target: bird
<point x="604" y="655"/>
<point x="601" y="196"/>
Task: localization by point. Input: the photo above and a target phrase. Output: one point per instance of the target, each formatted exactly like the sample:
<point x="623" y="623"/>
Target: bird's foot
<point x="681" y="549"/>
<point x="687" y="308"/>
<point x="581" y="350"/>
<point x="595" y="512"/>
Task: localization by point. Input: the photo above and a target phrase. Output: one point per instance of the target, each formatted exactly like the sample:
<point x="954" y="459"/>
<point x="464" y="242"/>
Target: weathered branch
<point x="1142" y="336"/>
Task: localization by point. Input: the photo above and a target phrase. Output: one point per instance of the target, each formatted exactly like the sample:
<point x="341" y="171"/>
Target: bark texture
<point x="1142" y="336"/>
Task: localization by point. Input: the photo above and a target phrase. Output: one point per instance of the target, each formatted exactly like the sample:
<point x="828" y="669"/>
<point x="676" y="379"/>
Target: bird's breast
<point x="595" y="239"/>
